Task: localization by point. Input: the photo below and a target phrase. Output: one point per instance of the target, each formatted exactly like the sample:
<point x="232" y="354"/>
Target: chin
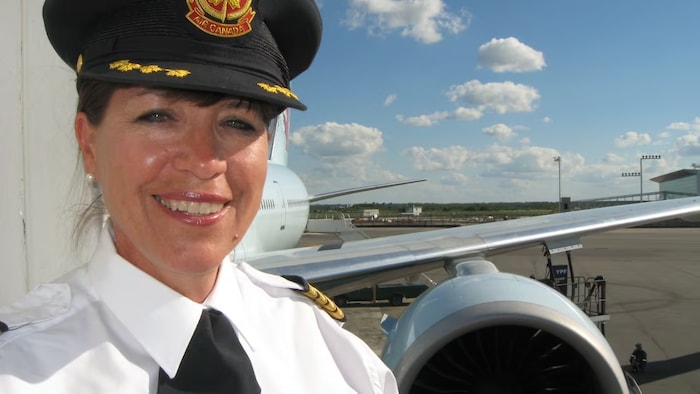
<point x="197" y="257"/>
<point x="199" y="266"/>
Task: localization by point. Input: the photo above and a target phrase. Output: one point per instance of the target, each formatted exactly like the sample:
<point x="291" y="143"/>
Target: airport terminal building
<point x="677" y="184"/>
<point x="682" y="182"/>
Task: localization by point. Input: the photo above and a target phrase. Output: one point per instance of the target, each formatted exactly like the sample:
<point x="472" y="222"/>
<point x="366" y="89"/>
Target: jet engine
<point x="484" y="331"/>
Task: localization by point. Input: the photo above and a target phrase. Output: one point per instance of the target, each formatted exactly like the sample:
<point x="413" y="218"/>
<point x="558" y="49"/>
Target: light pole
<point x="641" y="173"/>
<point x="625" y="174"/>
<point x="558" y="160"/>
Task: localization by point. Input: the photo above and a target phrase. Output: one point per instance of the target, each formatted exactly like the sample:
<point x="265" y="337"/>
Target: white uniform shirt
<point x="107" y="327"/>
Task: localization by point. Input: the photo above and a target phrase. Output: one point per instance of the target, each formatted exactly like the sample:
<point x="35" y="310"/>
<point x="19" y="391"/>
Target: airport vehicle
<point x="395" y="293"/>
<point x="512" y="334"/>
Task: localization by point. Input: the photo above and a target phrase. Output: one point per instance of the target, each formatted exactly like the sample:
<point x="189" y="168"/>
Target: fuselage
<point x="281" y="220"/>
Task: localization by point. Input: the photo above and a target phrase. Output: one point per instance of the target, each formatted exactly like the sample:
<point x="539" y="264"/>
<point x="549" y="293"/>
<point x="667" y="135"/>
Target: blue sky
<point x="479" y="96"/>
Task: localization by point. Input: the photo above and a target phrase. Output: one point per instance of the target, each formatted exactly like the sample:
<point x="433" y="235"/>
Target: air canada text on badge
<point x="198" y="17"/>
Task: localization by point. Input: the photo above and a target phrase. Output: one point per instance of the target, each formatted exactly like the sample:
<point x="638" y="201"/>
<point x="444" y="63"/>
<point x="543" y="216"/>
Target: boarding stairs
<point x="588" y="293"/>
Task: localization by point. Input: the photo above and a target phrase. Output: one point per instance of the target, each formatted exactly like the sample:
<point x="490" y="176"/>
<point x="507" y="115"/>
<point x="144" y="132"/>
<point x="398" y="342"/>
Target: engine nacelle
<point x="493" y="332"/>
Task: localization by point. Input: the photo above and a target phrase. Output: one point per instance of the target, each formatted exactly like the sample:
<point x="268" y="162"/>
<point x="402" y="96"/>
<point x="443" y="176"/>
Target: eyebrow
<point x="230" y="102"/>
<point x="235" y="102"/>
<point x="144" y="90"/>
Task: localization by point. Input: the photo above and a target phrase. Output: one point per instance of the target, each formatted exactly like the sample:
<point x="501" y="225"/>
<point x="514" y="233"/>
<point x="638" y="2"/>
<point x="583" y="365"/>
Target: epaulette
<point x="44" y="302"/>
<point x="322" y="300"/>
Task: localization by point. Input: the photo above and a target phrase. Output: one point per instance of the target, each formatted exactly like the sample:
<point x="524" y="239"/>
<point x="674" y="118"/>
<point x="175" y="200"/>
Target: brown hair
<point x="94" y="96"/>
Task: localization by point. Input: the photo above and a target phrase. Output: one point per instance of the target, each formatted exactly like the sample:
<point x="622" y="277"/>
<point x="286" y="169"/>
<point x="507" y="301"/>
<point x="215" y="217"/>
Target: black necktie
<point x="214" y="361"/>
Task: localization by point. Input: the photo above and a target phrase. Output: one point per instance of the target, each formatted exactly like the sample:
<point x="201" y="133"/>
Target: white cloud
<point x="450" y="158"/>
<point x="525" y="141"/>
<point x="613" y="158"/>
<point x="632" y="138"/>
<point x="694" y="125"/>
<point x="507" y="161"/>
<point x="500" y="131"/>
<point x="605" y="173"/>
<point x="500" y="97"/>
<point x="495" y="162"/>
<point x="509" y="55"/>
<point x="688" y="145"/>
<point x="389" y="100"/>
<point x="422" y="20"/>
<point x="679" y="126"/>
<point x="427" y="120"/>
<point x="454" y="179"/>
<point x="422" y="120"/>
<point x="343" y="153"/>
<point x="546" y="119"/>
<point x="340" y="174"/>
<point x="463" y="113"/>
<point x="338" y="140"/>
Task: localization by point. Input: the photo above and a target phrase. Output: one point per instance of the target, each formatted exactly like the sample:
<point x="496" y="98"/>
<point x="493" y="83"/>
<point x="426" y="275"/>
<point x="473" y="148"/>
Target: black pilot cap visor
<point x="244" y="48"/>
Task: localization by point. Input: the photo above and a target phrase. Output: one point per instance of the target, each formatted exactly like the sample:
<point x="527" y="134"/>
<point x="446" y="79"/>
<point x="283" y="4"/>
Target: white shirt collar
<point x="160" y="319"/>
<point x="227" y="297"/>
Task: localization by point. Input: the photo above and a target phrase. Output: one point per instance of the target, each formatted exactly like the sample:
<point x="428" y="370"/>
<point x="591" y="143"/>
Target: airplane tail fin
<point x="279" y="141"/>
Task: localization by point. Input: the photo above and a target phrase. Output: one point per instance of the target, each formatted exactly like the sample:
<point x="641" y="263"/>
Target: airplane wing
<point x="483" y="330"/>
<point x="345" y="192"/>
<point x="341" y="267"/>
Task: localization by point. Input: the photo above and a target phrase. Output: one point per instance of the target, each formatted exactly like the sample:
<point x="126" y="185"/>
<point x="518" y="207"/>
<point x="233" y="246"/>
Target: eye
<point x="238" y="124"/>
<point x="154" y="117"/>
<point x="241" y="125"/>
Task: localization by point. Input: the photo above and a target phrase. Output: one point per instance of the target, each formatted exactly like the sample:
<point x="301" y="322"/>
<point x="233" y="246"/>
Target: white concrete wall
<point x="38" y="153"/>
<point x="12" y="269"/>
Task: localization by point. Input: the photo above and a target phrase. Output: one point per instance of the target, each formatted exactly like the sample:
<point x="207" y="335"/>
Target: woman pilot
<point x="174" y="102"/>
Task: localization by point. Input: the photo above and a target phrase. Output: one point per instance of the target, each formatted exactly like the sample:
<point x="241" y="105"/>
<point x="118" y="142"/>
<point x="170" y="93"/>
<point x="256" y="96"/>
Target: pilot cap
<point x="245" y="48"/>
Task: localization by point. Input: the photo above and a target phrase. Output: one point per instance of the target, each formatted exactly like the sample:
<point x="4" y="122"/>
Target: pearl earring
<point x="90" y="179"/>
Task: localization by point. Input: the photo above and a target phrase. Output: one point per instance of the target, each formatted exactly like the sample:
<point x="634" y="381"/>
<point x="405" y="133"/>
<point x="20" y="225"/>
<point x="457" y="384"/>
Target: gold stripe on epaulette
<point x="79" y="64"/>
<point x="324" y="302"/>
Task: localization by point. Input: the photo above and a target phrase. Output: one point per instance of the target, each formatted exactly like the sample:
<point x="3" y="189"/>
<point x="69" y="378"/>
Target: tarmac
<point x="653" y="297"/>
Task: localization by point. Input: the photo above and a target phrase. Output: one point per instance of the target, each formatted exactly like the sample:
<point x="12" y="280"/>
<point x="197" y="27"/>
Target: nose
<point x="198" y="155"/>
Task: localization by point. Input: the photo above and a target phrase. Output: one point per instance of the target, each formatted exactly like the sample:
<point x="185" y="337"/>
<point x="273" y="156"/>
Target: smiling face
<point x="181" y="181"/>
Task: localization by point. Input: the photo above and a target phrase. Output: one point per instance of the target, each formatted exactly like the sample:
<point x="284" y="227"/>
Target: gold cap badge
<point x="221" y="18"/>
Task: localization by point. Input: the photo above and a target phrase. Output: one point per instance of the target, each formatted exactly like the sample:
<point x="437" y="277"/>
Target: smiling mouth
<point x="191" y="207"/>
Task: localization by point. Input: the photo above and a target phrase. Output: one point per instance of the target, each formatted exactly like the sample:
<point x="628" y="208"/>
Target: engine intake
<point x="505" y="359"/>
<point x="492" y="332"/>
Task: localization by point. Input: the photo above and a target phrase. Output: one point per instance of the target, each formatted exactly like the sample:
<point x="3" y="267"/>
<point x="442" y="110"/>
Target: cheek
<point x="246" y="171"/>
<point x="126" y="165"/>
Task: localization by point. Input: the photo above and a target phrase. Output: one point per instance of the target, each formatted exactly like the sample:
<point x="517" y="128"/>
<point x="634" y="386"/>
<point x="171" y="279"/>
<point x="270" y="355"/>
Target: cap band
<point x="159" y="50"/>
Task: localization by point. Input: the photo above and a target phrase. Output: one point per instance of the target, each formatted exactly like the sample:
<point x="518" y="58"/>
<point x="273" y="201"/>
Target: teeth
<point x="191" y="207"/>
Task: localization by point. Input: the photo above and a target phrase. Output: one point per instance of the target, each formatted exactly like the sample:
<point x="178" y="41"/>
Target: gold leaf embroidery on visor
<point x="126" y="66"/>
<point x="276" y="89"/>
